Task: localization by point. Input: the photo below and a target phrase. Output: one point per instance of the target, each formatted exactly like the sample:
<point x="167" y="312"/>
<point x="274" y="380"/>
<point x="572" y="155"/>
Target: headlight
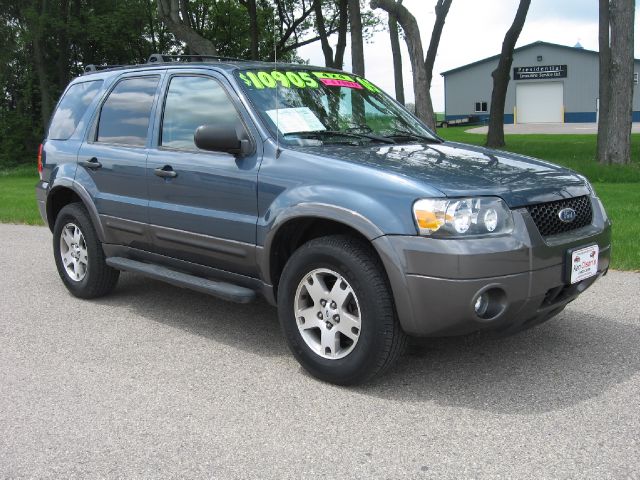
<point x="462" y="217"/>
<point x="587" y="183"/>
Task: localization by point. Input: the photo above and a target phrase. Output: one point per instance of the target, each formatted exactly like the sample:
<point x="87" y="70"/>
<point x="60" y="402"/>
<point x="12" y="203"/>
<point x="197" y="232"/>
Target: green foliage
<point x="48" y="42"/>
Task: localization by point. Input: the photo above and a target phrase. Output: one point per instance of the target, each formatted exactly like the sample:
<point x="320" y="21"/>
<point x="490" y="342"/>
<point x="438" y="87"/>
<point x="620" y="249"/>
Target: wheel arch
<point x="294" y="229"/>
<point x="65" y="192"/>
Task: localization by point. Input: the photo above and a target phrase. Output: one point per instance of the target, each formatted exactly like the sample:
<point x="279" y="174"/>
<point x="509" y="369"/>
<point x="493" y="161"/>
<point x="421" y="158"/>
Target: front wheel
<point x="337" y="312"/>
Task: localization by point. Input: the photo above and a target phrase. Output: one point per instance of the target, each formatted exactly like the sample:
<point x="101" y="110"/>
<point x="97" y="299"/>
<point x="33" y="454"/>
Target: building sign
<point x="540" y="71"/>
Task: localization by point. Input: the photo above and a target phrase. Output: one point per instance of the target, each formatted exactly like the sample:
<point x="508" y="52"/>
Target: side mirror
<point x="223" y="137"/>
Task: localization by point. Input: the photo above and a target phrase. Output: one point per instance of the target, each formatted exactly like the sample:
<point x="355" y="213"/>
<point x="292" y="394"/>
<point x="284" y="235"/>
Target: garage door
<point x="540" y="102"/>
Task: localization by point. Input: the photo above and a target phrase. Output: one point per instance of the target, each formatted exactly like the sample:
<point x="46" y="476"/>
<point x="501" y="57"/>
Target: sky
<point x="474" y="30"/>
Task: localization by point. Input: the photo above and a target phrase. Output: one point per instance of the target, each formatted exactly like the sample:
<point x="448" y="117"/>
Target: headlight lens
<point x="462" y="217"/>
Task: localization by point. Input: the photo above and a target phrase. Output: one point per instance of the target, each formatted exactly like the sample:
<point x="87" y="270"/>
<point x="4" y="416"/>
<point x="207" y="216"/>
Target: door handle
<point x="166" y="172"/>
<point x="92" y="163"/>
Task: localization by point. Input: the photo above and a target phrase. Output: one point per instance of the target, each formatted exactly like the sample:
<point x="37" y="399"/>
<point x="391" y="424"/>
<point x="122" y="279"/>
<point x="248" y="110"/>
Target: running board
<point x="225" y="291"/>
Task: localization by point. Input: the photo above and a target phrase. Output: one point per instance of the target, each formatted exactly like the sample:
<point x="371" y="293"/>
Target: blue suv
<point x="314" y="189"/>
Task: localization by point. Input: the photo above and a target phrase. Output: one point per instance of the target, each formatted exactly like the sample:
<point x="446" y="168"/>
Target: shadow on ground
<point x="570" y="359"/>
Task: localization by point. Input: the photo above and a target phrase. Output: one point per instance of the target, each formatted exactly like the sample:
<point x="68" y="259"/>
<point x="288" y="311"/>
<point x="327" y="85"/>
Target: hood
<point x="464" y="170"/>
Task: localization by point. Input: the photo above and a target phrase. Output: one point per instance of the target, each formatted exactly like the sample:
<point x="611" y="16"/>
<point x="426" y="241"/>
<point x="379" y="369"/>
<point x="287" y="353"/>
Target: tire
<point x="86" y="275"/>
<point x="359" y="354"/>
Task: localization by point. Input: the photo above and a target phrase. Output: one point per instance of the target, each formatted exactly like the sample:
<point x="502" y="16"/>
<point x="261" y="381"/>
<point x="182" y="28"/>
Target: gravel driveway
<point x="158" y="382"/>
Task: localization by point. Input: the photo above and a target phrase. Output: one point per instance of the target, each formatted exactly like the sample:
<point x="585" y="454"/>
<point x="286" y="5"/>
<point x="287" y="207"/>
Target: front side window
<point x="71" y="109"/>
<point x="308" y="107"/>
<point x="192" y="102"/>
<point x="124" y="118"/>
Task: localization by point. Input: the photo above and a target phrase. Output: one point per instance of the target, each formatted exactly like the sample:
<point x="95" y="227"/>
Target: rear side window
<point x="192" y="102"/>
<point x="124" y="118"/>
<point x="71" y="109"/>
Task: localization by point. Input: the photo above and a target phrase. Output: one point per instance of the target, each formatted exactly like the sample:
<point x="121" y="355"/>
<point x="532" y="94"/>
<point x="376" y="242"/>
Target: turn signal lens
<point x="462" y="217"/>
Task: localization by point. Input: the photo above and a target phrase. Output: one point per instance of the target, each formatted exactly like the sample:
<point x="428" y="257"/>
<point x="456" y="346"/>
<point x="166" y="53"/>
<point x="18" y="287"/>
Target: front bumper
<point x="436" y="282"/>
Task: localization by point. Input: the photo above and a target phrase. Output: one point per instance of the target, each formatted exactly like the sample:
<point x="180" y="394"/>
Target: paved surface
<point x="550" y="128"/>
<point x="156" y="382"/>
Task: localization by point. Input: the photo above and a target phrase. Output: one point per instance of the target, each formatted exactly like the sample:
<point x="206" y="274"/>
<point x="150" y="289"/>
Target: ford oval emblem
<point x="567" y="215"/>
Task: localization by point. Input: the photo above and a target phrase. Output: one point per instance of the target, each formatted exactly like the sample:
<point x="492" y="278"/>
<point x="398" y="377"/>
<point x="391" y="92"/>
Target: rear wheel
<point x="337" y="312"/>
<point x="79" y="255"/>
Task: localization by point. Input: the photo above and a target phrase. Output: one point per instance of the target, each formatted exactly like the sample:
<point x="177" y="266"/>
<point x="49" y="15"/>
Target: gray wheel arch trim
<point x="320" y="211"/>
<point x="84" y="195"/>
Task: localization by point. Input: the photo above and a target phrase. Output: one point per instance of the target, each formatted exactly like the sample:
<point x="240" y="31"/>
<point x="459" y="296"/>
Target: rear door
<point x="112" y="162"/>
<point x="206" y="212"/>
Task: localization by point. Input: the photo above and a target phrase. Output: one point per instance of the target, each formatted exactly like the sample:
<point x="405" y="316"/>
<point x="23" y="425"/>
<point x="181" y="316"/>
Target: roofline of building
<point x="524" y="47"/>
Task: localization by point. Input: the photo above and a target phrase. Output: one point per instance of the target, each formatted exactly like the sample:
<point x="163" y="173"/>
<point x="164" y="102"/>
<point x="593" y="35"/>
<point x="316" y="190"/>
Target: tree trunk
<point x="253" y="28"/>
<point x="442" y="9"/>
<point x="169" y="13"/>
<point x="603" y="88"/>
<point x="424" y="108"/>
<point x="43" y="81"/>
<point x="357" y="46"/>
<point x="40" y="64"/>
<point x="332" y="60"/>
<point x="501" y="76"/>
<point x="397" y="57"/>
<point x="357" y="58"/>
<point x="620" y="95"/>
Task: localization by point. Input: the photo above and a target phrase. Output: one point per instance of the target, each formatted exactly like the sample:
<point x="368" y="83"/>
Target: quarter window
<point x="71" y="109"/>
<point x="481" y="107"/>
<point x="192" y="102"/>
<point x="124" y="118"/>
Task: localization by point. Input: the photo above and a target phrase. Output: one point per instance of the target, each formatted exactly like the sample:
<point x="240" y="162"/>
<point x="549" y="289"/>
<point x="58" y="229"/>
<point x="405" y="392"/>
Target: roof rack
<point x="160" y="58"/>
<point x="94" y="68"/>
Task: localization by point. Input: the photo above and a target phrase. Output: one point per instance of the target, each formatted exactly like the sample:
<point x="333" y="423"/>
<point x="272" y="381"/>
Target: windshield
<point x="320" y="107"/>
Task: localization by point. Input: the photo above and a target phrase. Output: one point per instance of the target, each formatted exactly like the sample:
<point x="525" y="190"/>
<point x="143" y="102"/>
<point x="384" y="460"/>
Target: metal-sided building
<point x="550" y="83"/>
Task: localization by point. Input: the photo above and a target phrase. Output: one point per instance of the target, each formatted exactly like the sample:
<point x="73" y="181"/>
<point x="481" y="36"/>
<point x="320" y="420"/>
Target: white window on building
<point x="481" y="107"/>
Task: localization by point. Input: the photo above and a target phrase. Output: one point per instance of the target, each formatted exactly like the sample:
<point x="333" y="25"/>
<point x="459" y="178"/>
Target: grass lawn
<point x="622" y="203"/>
<point x="18" y="197"/>
<point x="574" y="151"/>
<point x="618" y="187"/>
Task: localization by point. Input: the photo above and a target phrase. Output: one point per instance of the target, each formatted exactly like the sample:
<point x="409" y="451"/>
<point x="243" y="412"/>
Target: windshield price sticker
<point x="300" y="79"/>
<point x="292" y="120"/>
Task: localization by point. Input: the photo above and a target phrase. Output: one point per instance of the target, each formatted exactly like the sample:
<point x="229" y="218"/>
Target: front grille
<point x="545" y="215"/>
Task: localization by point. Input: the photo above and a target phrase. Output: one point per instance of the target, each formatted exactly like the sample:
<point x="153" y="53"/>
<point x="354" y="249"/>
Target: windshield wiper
<point x="411" y="135"/>
<point x="338" y="133"/>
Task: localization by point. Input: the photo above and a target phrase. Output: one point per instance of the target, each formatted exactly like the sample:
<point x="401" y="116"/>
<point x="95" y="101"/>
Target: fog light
<point x="482" y="304"/>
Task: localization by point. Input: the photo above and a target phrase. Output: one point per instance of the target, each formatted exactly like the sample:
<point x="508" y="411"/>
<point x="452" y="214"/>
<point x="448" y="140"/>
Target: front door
<point x="202" y="205"/>
<point x="113" y="159"/>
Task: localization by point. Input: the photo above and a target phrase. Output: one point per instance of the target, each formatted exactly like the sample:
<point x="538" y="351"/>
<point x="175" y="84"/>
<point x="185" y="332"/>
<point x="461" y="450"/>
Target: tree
<point x="422" y="67"/>
<point x="616" y="81"/>
<point x="397" y="57"/>
<point x="501" y="76"/>
<point x="603" y="81"/>
<point x="357" y="45"/>
<point x="333" y="59"/>
<point x="175" y="14"/>
<point x="252" y="10"/>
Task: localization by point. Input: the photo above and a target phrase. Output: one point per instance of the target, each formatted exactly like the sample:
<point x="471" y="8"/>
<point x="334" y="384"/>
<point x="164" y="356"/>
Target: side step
<point x="225" y="291"/>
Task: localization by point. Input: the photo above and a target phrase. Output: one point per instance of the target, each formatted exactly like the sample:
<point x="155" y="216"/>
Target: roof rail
<point x="160" y="58"/>
<point x="94" y="68"/>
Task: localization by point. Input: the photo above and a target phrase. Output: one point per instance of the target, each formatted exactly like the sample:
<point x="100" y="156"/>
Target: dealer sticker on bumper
<point x="584" y="263"/>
